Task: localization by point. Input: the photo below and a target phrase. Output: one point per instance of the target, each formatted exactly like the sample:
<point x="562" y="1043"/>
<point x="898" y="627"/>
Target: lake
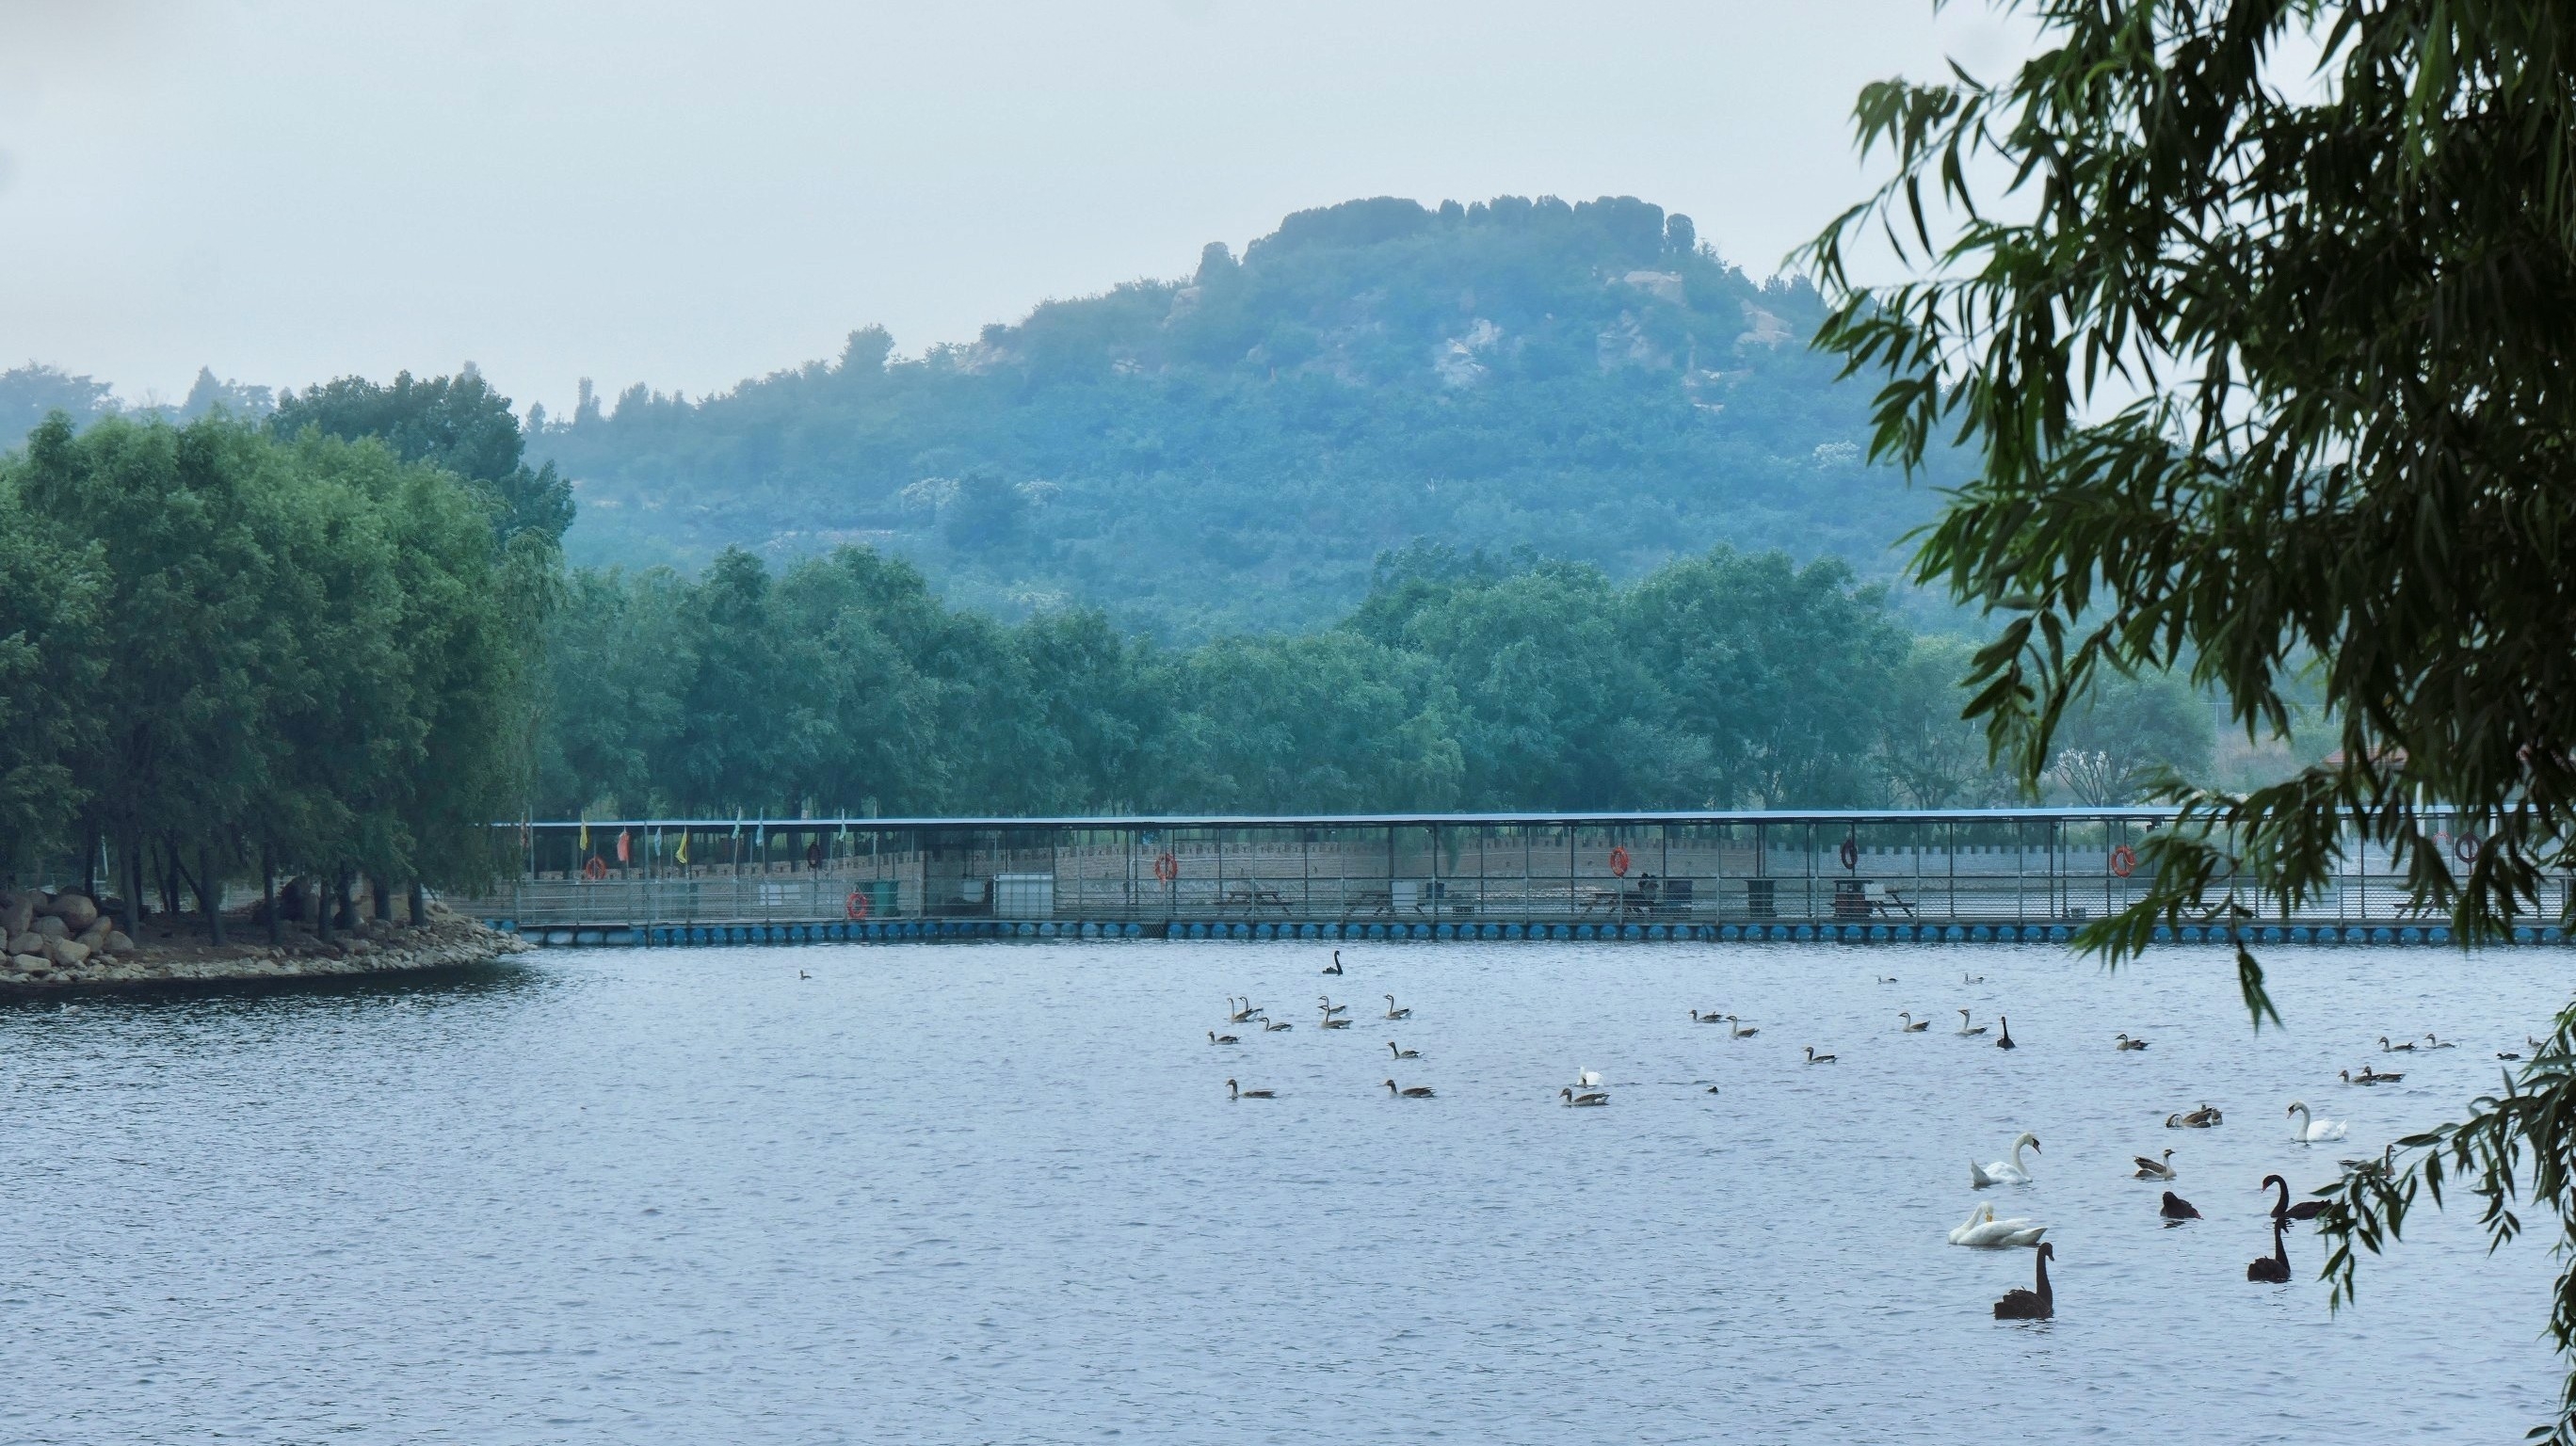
<point x="996" y="1192"/>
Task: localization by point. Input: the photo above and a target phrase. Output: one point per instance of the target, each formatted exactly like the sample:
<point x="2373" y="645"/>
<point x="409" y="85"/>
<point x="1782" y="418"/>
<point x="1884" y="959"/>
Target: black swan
<point x="2005" y="1042"/>
<point x="2040" y="1304"/>
<point x="2282" y="1209"/>
<point x="2273" y="1269"/>
<point x="2177" y="1208"/>
<point x="1336" y="966"/>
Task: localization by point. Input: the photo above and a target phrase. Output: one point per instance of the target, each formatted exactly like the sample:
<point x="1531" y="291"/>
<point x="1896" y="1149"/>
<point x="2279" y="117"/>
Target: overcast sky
<point x="688" y="194"/>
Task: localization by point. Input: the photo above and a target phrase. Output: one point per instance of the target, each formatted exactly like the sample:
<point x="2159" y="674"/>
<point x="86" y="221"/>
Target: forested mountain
<point x="1232" y="451"/>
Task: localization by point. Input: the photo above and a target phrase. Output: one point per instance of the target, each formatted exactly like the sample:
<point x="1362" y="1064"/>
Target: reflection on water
<point x="996" y="1193"/>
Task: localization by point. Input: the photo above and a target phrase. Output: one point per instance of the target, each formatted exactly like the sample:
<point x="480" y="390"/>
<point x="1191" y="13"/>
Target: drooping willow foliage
<point x="2267" y="361"/>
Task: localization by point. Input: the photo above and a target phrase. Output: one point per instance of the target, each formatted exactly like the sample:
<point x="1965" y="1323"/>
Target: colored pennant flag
<point x="683" y="855"/>
<point x="625" y="847"/>
<point x="585" y="836"/>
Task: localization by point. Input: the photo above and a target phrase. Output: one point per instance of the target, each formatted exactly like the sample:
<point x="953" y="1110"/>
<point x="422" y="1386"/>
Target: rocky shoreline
<point x="68" y="943"/>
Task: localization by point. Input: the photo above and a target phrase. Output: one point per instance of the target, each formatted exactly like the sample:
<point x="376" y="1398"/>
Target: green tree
<point x="50" y="670"/>
<point x="2262" y="372"/>
<point x="456" y="423"/>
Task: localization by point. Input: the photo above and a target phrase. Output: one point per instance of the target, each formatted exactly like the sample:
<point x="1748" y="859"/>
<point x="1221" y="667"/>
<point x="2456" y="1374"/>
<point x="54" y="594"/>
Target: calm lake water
<point x="996" y="1193"/>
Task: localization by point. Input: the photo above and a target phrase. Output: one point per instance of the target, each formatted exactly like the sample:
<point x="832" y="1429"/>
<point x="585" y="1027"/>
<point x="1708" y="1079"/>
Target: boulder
<point x="26" y="941"/>
<point x="75" y="910"/>
<point x="17" y="913"/>
<point x="97" y="932"/>
<point x="118" y="943"/>
<point x="51" y="927"/>
<point x="68" y="953"/>
<point x="30" y="963"/>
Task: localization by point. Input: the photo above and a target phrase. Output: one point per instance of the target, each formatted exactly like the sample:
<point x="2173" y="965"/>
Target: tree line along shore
<point x="336" y="642"/>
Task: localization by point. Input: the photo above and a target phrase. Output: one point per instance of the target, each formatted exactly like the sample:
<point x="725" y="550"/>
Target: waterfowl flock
<point x="1982" y="1230"/>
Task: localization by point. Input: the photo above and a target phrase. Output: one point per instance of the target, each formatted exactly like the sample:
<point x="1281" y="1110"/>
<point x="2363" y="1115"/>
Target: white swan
<point x="1982" y="1231"/>
<point x="2312" y="1130"/>
<point x="1587" y="1078"/>
<point x="2004" y="1172"/>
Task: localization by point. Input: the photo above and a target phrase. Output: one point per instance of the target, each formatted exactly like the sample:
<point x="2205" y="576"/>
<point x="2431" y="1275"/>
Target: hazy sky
<point x="689" y="194"/>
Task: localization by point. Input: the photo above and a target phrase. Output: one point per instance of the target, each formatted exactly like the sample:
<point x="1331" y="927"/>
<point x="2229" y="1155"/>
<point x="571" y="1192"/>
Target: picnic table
<point x="1251" y="898"/>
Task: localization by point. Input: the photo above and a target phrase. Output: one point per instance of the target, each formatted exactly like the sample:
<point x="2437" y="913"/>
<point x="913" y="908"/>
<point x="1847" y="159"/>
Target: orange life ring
<point x="2465" y="847"/>
<point x="1619" y="862"/>
<point x="2124" y="860"/>
<point x="856" y="906"/>
<point x="595" y="870"/>
<point x="1167" y="868"/>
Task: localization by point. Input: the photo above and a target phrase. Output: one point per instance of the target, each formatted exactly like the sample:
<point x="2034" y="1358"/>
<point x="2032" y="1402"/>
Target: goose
<point x="2312" y="1130"/>
<point x="1329" y="1022"/>
<point x="1964" y="1030"/>
<point x="2206" y="1115"/>
<point x="2040" y="1304"/>
<point x="2177" y="1209"/>
<point x="1216" y="1038"/>
<point x="2282" y="1209"/>
<point x="1242" y="1014"/>
<point x="1271" y="1026"/>
<point x="1912" y="1025"/>
<point x="1885" y="978"/>
<point x="2431" y="1043"/>
<point x="1336" y="966"/>
<point x="2004" y="1172"/>
<point x="2005" y="1040"/>
<point x="2151" y="1168"/>
<point x="1402" y="1053"/>
<point x="1738" y="1029"/>
<point x="1587" y="1078"/>
<point x="1815" y="1058"/>
<point x="2507" y="1054"/>
<point x="2380" y="1167"/>
<point x="2273" y="1269"/>
<point x="1410" y="1092"/>
<point x="801" y="974"/>
<point x="1699" y="1018"/>
<point x="2386" y="1048"/>
<point x="1586" y="1100"/>
<point x="2371" y="1076"/>
<point x="1236" y="1092"/>
<point x="1329" y="1007"/>
<point x="1972" y="979"/>
<point x="1394" y="1013"/>
<point x="2125" y="1042"/>
<point x="1982" y="1231"/>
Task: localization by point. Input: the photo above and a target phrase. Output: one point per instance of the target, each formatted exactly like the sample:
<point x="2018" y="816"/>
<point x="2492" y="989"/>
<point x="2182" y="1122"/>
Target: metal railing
<point x="1980" y="867"/>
